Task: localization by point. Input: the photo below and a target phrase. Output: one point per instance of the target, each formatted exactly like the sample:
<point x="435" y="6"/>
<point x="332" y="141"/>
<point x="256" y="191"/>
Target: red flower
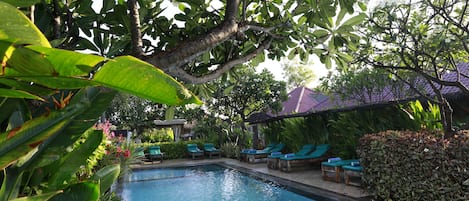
<point x="127" y="153"/>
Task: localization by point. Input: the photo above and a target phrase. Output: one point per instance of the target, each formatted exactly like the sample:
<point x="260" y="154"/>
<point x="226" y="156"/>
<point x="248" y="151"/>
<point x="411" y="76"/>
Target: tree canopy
<point x="201" y="41"/>
<point x="420" y="39"/>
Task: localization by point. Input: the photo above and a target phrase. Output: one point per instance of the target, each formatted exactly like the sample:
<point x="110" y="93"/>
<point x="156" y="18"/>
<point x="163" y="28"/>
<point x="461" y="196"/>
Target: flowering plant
<point x="116" y="149"/>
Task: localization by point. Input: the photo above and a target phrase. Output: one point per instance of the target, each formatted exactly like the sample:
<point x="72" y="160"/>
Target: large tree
<point x="245" y="93"/>
<point x="205" y="38"/>
<point x="424" y="39"/>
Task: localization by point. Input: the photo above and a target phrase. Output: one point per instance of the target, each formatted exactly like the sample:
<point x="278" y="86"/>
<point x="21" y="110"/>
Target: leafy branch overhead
<point x="203" y="39"/>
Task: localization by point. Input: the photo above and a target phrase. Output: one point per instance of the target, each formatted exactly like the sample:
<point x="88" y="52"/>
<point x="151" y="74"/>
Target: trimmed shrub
<point x="174" y="150"/>
<point x="406" y="165"/>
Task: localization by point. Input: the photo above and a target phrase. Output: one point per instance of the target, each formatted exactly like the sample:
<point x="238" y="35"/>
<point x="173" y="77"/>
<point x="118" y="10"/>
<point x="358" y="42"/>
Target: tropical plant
<point x="427" y="117"/>
<point x="50" y="98"/>
<point x="134" y="113"/>
<point x="245" y="93"/>
<point x="158" y="135"/>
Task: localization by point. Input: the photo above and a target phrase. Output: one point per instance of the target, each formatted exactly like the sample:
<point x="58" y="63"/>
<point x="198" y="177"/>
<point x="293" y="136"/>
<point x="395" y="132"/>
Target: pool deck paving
<point x="310" y="178"/>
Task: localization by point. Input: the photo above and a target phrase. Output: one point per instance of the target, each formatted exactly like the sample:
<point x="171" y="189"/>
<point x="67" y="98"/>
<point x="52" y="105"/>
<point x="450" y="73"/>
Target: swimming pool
<point x="202" y="183"/>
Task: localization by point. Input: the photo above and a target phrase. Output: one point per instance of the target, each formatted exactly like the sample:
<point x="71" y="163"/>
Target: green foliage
<point x="272" y="132"/>
<point x="306" y="27"/>
<point x="158" y="135"/>
<point x="420" y="41"/>
<point x="245" y="93"/>
<point x="298" y="74"/>
<point x="427" y="117"/>
<point x="230" y="150"/>
<point x="235" y="98"/>
<point x="134" y="113"/>
<point x="404" y="165"/>
<point x="341" y="130"/>
<point x="296" y="132"/>
<point x="174" y="150"/>
<point x="347" y="128"/>
<point x="45" y="142"/>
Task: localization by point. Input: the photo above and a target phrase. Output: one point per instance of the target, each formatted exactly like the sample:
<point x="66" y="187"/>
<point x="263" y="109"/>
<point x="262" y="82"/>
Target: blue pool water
<point x="203" y="183"/>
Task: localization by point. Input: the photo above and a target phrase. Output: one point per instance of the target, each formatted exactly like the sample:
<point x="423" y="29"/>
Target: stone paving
<point x="311" y="177"/>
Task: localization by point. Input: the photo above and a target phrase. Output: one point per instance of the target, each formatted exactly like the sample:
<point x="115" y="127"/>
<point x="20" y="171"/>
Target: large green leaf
<point x="98" y="99"/>
<point x="26" y="86"/>
<point x="79" y="192"/>
<point x="68" y="63"/>
<point x="17" y="143"/>
<point x="70" y="163"/>
<point x="355" y="20"/>
<point x="23" y="61"/>
<point x="106" y="176"/>
<point x="59" y="82"/>
<point x="21" y="140"/>
<point x="22" y="3"/>
<point x="11" y="184"/>
<point x="9" y="107"/>
<point x="15" y="26"/>
<point x="41" y="197"/>
<point x="133" y="76"/>
<point x="11" y="93"/>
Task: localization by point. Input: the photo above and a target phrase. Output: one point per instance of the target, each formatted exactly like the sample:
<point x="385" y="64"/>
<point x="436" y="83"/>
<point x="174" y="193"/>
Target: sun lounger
<point x="210" y="150"/>
<point x="274" y="158"/>
<point x="193" y="151"/>
<point x="252" y="156"/>
<point x="154" y="153"/>
<point x="352" y="170"/>
<point x="332" y="169"/>
<point x="244" y="152"/>
<point x="318" y="155"/>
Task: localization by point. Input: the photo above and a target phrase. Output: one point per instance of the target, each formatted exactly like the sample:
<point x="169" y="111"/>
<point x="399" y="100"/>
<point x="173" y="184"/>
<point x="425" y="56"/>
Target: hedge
<point x="405" y="165"/>
<point x="174" y="150"/>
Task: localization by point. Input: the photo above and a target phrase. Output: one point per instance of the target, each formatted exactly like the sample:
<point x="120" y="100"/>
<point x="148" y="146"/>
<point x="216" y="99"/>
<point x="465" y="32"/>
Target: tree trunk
<point x="446" y="113"/>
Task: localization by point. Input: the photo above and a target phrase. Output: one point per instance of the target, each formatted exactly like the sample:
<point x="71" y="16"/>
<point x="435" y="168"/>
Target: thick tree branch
<point x="170" y="60"/>
<point x="136" y="34"/>
<point x="457" y="84"/>
<point x="411" y="86"/>
<point x="57" y="21"/>
<point x="189" y="78"/>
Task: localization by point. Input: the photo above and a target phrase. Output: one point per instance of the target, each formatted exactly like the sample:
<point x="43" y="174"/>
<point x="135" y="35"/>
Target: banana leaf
<point x="41" y="197"/>
<point x="88" y="191"/>
<point x="71" y="162"/>
<point x="106" y="176"/>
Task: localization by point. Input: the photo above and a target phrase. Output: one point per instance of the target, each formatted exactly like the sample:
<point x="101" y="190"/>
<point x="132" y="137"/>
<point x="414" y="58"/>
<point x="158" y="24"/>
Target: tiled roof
<point x="303" y="101"/>
<point x="300" y="99"/>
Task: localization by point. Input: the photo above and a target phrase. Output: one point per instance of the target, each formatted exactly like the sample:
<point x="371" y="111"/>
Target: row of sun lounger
<point x="155" y="154"/>
<point x="309" y="154"/>
<point x="209" y="150"/>
<point x="276" y="160"/>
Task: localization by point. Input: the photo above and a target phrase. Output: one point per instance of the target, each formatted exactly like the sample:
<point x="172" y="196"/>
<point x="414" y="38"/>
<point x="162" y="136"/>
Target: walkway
<point x="311" y="177"/>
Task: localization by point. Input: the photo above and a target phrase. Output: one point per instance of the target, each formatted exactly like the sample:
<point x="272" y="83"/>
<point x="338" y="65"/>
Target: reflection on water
<point x="205" y="183"/>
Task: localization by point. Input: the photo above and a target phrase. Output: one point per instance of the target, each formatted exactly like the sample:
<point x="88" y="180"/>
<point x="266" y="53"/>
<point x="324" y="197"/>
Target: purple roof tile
<point x="303" y="101"/>
<point x="299" y="100"/>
